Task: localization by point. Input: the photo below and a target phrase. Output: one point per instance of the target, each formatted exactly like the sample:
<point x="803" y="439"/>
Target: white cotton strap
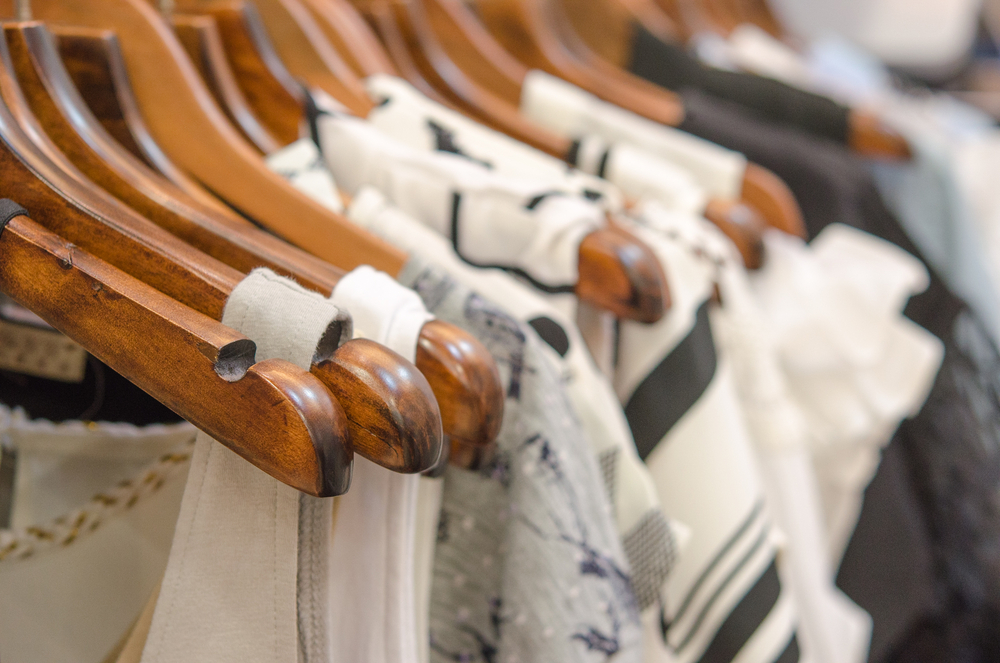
<point x="302" y="165"/>
<point x="382" y="309"/>
<point x="230" y="589"/>
<point x="372" y="584"/>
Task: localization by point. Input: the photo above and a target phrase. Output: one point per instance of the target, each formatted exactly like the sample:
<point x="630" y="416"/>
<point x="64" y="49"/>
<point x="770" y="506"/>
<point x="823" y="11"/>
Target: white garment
<point x="230" y="591"/>
<point x="572" y="112"/>
<point x="831" y="627"/>
<point x="943" y="197"/>
<point x="302" y="165"/>
<point x="407" y="116"/>
<point x="372" y="591"/>
<point x="916" y="33"/>
<point x="854" y="365"/>
<point x="683" y="409"/>
<point x="94" y="509"/>
<point x="492" y="220"/>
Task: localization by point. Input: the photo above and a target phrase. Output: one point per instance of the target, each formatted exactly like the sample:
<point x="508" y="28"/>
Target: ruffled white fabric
<point x="854" y="365"/>
<point x="831" y="627"/>
<point x="94" y="510"/>
<point x="572" y="112"/>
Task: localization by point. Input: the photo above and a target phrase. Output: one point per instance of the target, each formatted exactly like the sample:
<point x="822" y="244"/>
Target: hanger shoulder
<point x="272" y="91"/>
<point x="93" y="60"/>
<point x="465" y="380"/>
<point x="351" y="36"/>
<point x="201" y="40"/>
<point x="620" y="274"/>
<point x="289" y="426"/>
<point x="743" y="226"/>
<point x="204" y="144"/>
<point x="869" y="136"/>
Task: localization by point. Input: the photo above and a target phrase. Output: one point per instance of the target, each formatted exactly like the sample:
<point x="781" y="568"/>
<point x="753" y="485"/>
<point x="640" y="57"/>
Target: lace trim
<point x="63" y="531"/>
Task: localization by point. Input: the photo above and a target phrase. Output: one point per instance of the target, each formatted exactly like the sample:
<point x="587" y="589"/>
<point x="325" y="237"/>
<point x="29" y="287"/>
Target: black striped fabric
<point x="745" y="618"/>
<point x="673" y="387"/>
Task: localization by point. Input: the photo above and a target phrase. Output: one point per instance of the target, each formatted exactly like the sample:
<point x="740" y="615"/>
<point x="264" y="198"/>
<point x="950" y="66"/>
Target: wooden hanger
<point x="273" y="92"/>
<point x="94" y="61"/>
<point x="741" y="224"/>
<point x="204" y="143"/>
<point x="463" y="374"/>
<point x="168" y="88"/>
<point x="200" y="38"/>
<point x="351" y="36"/>
<point x="393" y="416"/>
<point x="304" y="50"/>
<point x="289" y="426"/>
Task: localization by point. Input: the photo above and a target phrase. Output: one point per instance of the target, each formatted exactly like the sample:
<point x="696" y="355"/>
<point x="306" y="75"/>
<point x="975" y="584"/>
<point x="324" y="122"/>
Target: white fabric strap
<point x="572" y="112"/>
<point x="372" y="594"/>
<point x="230" y="590"/>
<point x="302" y="165"/>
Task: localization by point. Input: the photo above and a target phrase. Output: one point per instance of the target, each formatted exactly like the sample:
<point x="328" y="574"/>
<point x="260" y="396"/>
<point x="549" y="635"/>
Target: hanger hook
<point x="23" y="10"/>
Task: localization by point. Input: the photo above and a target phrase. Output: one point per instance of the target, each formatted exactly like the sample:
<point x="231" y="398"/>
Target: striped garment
<point x="724" y="600"/>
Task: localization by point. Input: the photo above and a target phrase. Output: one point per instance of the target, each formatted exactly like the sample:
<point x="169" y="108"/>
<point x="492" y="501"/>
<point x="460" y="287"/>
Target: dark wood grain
<point x="468" y="389"/>
<point x="94" y="61"/>
<point x="620" y="274"/>
<point x="271" y="413"/>
<point x="239" y="244"/>
<point x="168" y="88"/>
<point x="273" y="93"/>
<point x="375" y="427"/>
<point x="200" y="38"/>
<point x="84" y="214"/>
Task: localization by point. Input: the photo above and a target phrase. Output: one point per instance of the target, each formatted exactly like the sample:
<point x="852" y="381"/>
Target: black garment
<point x="104" y="395"/>
<point x="670" y="66"/>
<point x="925" y="558"/>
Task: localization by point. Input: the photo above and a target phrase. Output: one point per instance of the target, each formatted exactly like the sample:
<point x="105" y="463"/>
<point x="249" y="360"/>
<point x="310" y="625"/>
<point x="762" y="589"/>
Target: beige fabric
<point x="135" y="639"/>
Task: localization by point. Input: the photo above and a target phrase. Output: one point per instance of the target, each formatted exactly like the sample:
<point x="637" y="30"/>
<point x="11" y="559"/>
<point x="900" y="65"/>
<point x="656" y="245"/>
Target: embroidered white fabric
<point x="570" y="111"/>
<point x="372" y="591"/>
<point x="230" y="591"/>
<point x="94" y="510"/>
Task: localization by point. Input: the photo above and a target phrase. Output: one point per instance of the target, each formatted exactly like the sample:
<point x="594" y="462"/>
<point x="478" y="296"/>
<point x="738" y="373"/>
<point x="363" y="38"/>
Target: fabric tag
<point x="41" y="352"/>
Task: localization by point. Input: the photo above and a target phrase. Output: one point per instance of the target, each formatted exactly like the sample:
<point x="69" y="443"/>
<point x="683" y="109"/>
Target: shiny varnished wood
<point x="620" y="274"/>
<point x="769" y="194"/>
<point x="200" y="38"/>
<point x="94" y="61"/>
<point x="350" y="35"/>
<point x="287" y="423"/>
<point x="204" y="144"/>
<point x="304" y="50"/>
<point x="467" y="389"/>
<point x="276" y="97"/>
<point x="82" y="213"/>
<point x="452" y="361"/>
<point x="743" y="226"/>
